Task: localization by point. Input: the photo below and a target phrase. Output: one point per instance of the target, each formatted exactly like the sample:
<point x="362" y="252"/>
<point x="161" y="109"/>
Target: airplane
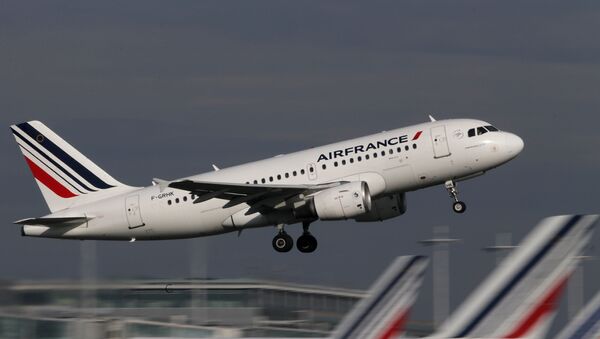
<point x="365" y="179"/>
<point x="519" y="298"/>
<point x="586" y="324"/>
<point x="384" y="310"/>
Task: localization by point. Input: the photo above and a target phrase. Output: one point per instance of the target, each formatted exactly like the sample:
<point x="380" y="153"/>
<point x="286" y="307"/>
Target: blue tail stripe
<point x="52" y="161"/>
<point x="383" y="294"/>
<point x="507" y="288"/>
<point x="588" y="325"/>
<point x="63" y="156"/>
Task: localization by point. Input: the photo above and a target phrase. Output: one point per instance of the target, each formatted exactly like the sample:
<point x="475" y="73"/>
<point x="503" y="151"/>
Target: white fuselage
<point x="399" y="160"/>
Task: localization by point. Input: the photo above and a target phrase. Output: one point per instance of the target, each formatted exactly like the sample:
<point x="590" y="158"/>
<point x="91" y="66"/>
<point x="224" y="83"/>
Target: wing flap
<point x="252" y="194"/>
<point x="53" y="221"/>
<point x="233" y="189"/>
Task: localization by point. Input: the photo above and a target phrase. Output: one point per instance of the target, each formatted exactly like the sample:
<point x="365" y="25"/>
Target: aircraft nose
<point x="514" y="144"/>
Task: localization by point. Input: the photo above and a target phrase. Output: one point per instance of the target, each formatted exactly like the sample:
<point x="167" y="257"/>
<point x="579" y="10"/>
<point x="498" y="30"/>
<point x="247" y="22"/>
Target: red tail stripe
<point x="547" y="305"/>
<point x="417" y="135"/>
<point x="49" y="181"/>
<point x="396" y="327"/>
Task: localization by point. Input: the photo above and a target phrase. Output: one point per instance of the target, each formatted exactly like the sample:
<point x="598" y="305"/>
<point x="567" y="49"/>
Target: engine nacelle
<point x="386" y="207"/>
<point x="337" y="203"/>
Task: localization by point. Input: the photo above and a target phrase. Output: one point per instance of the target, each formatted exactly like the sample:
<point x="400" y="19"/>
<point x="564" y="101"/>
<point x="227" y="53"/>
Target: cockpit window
<point x="481" y="130"/>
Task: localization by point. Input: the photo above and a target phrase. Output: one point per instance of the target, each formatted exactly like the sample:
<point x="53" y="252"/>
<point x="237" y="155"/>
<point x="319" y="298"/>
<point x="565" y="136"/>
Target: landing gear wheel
<point x="306" y="243"/>
<point x="282" y="242"/>
<point x="459" y="207"/>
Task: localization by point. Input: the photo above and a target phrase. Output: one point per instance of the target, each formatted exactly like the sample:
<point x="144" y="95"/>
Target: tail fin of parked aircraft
<point x="65" y="176"/>
<point x="383" y="313"/>
<point x="519" y="298"/>
<point x="586" y="324"/>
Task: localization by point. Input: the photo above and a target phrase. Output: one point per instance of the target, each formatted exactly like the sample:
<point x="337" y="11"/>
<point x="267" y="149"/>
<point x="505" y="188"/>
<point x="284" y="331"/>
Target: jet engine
<point x="386" y="207"/>
<point x="337" y="203"/>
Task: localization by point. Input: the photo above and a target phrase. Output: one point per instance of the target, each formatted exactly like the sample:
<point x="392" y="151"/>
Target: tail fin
<point x="586" y="324"/>
<point x="383" y="313"/>
<point x="519" y="298"/>
<point x="65" y="176"/>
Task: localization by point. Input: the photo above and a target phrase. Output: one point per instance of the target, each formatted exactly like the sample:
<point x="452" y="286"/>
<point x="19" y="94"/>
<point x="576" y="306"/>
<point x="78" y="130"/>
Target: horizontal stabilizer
<point x="50" y="221"/>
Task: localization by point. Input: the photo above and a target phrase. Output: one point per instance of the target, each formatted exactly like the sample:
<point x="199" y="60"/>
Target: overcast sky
<point x="164" y="89"/>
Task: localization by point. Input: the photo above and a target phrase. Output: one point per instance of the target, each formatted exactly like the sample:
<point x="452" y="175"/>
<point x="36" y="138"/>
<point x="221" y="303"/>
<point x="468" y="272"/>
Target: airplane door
<point x="312" y="171"/>
<point x="132" y="207"/>
<point x="440" y="142"/>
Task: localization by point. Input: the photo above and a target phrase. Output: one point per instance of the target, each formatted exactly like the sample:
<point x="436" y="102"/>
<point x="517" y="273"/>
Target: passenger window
<point x="255" y="182"/>
<point x="374" y="155"/>
<point x="406" y="148"/>
<point x="335" y="164"/>
<point x="185" y="198"/>
<point x="351" y="160"/>
<point x="399" y="149"/>
<point x="177" y="200"/>
<point x="366" y="157"/>
<point x="287" y="175"/>
<point x="343" y="162"/>
<point x="263" y="180"/>
<point x="471" y="132"/>
<point x="414" y="146"/>
<point x="169" y="202"/>
<point x="391" y="151"/>
<point x="382" y="153"/>
<point x="302" y="171"/>
<point x="491" y="128"/>
<point x="270" y="178"/>
<point x="481" y="130"/>
<point x="311" y="169"/>
<point x="278" y="176"/>
<point x="359" y="158"/>
<point x="294" y="173"/>
<point x="324" y="166"/>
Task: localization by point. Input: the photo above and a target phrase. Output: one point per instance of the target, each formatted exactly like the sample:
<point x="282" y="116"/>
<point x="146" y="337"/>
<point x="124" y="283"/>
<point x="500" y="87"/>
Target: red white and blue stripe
<point x="586" y="324"/>
<point x="59" y="170"/>
<point x="383" y="314"/>
<point x="519" y="297"/>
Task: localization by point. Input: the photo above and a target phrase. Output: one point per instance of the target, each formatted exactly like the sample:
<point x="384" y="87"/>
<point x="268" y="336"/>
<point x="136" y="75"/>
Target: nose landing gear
<point x="457" y="206"/>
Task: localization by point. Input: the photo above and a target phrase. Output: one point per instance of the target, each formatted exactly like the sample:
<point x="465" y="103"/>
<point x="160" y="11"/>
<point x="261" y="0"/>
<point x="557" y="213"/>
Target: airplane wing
<point x="243" y="193"/>
<point x="53" y="221"/>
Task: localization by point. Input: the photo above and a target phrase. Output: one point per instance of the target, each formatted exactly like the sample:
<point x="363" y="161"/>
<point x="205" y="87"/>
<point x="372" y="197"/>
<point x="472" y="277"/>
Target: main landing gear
<point x="283" y="242"/>
<point x="307" y="243"/>
<point x="457" y="206"/>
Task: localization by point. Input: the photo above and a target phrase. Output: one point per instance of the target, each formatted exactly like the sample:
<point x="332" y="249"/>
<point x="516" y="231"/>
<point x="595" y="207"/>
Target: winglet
<point x="162" y="184"/>
<point x="215" y="167"/>
<point x="431" y="118"/>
